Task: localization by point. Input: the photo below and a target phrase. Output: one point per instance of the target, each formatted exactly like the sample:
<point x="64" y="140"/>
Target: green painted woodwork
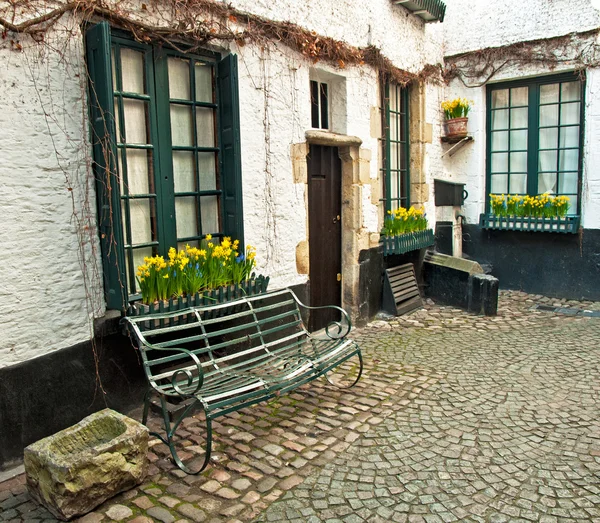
<point x="566" y="225"/>
<point x="428" y="10"/>
<point x="115" y="201"/>
<point x="105" y="171"/>
<point x="225" y="357"/>
<point x="408" y="242"/>
<point x="397" y="147"/>
<point x="231" y="169"/>
<point x="534" y="150"/>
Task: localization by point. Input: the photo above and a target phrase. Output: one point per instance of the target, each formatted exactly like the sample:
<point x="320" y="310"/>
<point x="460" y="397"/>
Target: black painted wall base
<point x="371" y="264"/>
<point x="44" y="395"/>
<point x="552" y="264"/>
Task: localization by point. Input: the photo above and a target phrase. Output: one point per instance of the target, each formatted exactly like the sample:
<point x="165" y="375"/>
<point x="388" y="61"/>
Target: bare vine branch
<point x="193" y="26"/>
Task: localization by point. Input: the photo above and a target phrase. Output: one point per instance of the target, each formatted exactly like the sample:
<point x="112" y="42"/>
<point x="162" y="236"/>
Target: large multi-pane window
<point x="534" y="137"/>
<point x="396" y="147"/>
<point x="163" y="178"/>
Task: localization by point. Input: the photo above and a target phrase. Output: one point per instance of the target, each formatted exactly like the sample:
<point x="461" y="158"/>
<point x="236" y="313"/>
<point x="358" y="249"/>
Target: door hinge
<point x="339" y="277"/>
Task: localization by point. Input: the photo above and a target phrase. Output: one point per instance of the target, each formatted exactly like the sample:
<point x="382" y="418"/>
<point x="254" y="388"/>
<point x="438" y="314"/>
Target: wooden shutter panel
<point x="103" y="138"/>
<point x="231" y="153"/>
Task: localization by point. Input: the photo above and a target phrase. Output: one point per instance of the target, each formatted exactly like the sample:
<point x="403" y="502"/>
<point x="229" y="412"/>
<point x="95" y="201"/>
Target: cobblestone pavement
<point x="457" y="418"/>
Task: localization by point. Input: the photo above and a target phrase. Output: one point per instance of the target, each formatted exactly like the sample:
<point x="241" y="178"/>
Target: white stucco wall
<point x="50" y="278"/>
<point x="477" y="24"/>
<point x="43" y="305"/>
<point x="505" y="24"/>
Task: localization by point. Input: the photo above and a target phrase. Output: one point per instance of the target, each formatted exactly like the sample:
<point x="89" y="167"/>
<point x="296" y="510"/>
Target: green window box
<point x="565" y="225"/>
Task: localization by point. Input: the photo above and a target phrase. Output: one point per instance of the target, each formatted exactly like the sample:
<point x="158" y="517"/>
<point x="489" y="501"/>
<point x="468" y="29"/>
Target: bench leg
<point x="171" y="429"/>
<point x="360" y="371"/>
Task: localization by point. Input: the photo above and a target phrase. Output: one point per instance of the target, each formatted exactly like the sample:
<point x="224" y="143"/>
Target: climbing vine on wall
<point x="201" y="22"/>
<point x="475" y="68"/>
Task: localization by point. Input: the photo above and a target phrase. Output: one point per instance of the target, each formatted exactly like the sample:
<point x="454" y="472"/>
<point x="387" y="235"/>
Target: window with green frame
<point x="165" y="133"/>
<point x="535" y="137"/>
<point x="396" y="147"/>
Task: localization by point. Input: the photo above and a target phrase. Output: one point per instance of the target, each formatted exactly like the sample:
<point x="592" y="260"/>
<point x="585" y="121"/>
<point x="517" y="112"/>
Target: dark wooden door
<point x="325" y="232"/>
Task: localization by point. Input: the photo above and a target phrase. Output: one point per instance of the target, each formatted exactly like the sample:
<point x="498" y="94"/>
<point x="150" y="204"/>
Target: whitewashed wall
<point x="477" y="24"/>
<point x="44" y="153"/>
<point x="507" y="23"/>
<point x="50" y="278"/>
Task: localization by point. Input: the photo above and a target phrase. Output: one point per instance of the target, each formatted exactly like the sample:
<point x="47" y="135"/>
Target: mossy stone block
<point x="77" y="469"/>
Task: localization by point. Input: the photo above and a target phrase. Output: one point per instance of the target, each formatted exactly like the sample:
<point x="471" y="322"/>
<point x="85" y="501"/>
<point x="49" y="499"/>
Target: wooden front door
<point x="325" y="232"/>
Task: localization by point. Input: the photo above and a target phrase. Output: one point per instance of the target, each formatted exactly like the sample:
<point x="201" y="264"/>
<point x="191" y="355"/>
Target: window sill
<point x="410" y="241"/>
<point x="566" y="225"/>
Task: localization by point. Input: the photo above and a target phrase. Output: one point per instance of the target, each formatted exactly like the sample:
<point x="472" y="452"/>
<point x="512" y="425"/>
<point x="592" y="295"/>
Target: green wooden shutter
<point x="231" y="151"/>
<point x="103" y="138"/>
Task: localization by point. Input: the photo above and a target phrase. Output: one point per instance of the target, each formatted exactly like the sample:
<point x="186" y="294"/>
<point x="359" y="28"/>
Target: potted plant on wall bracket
<point x="456" y="113"/>
<point x="541" y="213"/>
<point x="209" y="274"/>
<point x="406" y="230"/>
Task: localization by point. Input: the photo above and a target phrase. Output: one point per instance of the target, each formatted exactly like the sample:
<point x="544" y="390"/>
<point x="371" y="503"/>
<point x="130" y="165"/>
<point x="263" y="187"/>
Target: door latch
<point x="339" y="277"/>
<point x="337" y="219"/>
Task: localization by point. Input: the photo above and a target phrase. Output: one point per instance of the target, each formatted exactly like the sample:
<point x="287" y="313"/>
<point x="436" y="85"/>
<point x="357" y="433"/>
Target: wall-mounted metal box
<point x="449" y="193"/>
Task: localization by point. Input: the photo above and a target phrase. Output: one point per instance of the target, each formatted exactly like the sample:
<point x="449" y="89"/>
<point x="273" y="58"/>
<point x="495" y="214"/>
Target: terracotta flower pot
<point x="456" y="127"/>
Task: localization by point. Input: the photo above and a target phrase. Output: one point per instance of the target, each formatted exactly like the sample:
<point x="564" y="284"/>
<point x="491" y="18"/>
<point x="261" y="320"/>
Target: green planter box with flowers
<point x="542" y="213"/>
<point x="405" y="230"/>
<point x="205" y="275"/>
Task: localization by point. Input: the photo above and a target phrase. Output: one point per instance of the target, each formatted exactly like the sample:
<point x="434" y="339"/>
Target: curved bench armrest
<point x="176" y="376"/>
<point x="336" y="330"/>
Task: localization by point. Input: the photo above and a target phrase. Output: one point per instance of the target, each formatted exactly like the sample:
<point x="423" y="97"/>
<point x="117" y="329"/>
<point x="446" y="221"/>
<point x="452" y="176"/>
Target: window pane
<point x="204" y="82"/>
<point x="549" y="138"/>
<point x="118" y="121"/>
<point x="205" y="127"/>
<point x="500" y="141"/>
<point x="184" y="174"/>
<point x="569" y="113"/>
<point x="571" y="91"/>
<point x="569" y="136"/>
<point x="139" y="171"/>
<point x="549" y="94"/>
<point x="547" y="183"/>
<point x="569" y="160"/>
<point x="181" y="125"/>
<point x="132" y="71"/>
<point x="573" y="200"/>
<point x="393" y="126"/>
<point x="499" y="162"/>
<point x="499" y="98"/>
<point x="519" y="96"/>
<point x="207" y="171"/>
<point x="548" y="161"/>
<point x="500" y="119"/>
<point x="518" y="183"/>
<point x="186" y="215"/>
<point x="568" y="183"/>
<point x="138" y="259"/>
<point x="518" y="163"/>
<point x="179" y="78"/>
<point x="209" y="210"/>
<point x="141" y="215"/>
<point x="518" y="118"/>
<point x="518" y="140"/>
<point x="394" y="146"/>
<point x="548" y="115"/>
<point x="499" y="184"/>
<point x="135" y="112"/>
